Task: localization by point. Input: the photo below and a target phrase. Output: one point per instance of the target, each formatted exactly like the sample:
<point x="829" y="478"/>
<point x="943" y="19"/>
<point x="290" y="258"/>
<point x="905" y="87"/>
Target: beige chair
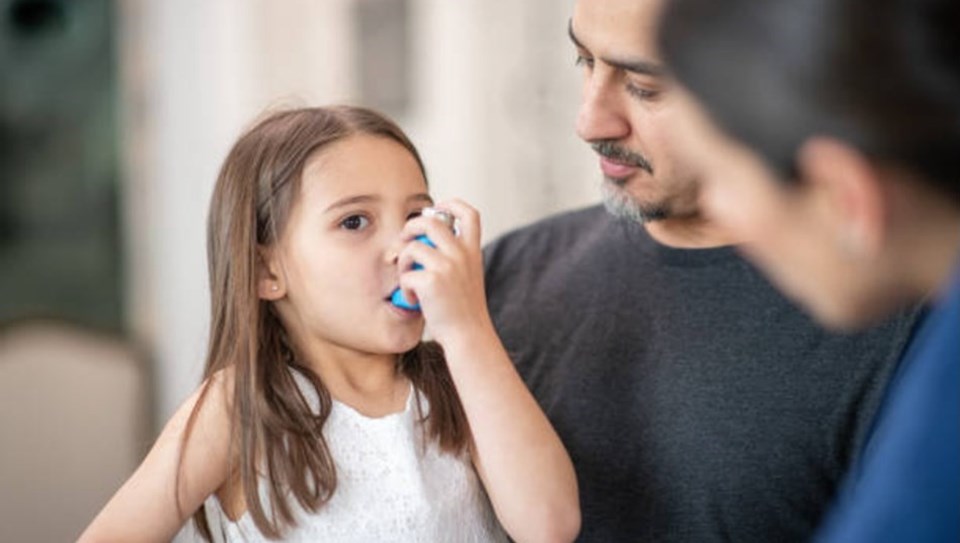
<point x="75" y="421"/>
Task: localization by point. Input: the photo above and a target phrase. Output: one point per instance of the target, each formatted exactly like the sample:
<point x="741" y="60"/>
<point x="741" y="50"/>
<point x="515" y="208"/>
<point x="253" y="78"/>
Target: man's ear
<point x="849" y="188"/>
<point x="270" y="284"/>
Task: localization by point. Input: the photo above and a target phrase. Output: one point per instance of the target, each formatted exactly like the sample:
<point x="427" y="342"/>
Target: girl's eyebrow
<point x="360" y="198"/>
<point x="422" y="197"/>
<point x="365" y="198"/>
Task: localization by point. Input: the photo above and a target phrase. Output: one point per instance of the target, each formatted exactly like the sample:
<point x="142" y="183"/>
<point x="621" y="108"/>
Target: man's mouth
<point x="615" y="170"/>
<point x="618" y="162"/>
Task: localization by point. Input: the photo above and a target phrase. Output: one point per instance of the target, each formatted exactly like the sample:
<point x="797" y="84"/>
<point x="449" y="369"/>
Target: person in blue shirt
<point x="831" y="133"/>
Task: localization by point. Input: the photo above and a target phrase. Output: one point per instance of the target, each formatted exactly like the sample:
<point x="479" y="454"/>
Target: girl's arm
<point x="523" y="465"/>
<point x="145" y="507"/>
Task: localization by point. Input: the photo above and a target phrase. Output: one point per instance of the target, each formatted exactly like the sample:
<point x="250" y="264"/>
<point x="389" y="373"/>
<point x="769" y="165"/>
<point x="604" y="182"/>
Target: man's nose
<point x="602" y="114"/>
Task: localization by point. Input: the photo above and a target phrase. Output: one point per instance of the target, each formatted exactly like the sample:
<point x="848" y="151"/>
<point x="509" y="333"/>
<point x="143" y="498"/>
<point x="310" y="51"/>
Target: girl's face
<point x="335" y="264"/>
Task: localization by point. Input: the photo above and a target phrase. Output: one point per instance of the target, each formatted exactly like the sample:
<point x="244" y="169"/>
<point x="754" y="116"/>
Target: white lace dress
<point x="389" y="488"/>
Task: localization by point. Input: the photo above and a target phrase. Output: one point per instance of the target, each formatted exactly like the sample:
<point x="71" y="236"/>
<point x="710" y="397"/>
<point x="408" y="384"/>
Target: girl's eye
<point x="354" y="222"/>
<point x="414" y="214"/>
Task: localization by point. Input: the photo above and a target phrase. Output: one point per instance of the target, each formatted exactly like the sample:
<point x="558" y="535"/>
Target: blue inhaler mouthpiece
<point x="397" y="298"/>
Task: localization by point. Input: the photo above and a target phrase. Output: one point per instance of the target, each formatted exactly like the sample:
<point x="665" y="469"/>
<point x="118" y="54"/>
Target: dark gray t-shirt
<point x="696" y="402"/>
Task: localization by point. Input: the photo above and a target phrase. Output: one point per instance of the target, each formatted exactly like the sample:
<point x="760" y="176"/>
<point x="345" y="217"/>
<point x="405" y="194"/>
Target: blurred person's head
<point x="829" y="135"/>
<point x="627" y="111"/>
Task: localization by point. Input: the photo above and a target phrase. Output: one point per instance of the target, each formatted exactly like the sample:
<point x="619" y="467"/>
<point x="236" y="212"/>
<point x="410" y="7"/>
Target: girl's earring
<point x="275" y="287"/>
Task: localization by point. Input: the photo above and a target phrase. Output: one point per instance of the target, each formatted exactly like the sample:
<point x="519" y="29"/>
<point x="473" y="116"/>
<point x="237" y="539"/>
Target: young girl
<point x="322" y="416"/>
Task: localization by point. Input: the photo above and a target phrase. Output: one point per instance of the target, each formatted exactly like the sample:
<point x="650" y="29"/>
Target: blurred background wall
<point x="114" y="119"/>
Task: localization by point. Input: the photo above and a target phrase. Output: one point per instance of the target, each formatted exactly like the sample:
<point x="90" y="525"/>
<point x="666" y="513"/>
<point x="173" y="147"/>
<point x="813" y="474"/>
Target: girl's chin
<point x="403" y="343"/>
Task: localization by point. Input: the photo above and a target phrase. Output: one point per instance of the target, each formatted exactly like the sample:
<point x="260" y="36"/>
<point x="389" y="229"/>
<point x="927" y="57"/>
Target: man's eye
<point x="354" y="222"/>
<point x="641" y="93"/>
<point x="583" y="61"/>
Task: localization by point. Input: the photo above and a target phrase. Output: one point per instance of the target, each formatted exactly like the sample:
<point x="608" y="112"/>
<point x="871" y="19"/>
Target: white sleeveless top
<point x="391" y="486"/>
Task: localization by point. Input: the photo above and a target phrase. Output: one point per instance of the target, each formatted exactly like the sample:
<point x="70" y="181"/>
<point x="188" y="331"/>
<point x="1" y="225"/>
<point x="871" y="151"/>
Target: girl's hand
<point x="517" y="454"/>
<point x="450" y="285"/>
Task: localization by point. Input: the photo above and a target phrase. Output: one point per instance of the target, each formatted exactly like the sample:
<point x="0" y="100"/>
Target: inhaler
<point x="445" y="217"/>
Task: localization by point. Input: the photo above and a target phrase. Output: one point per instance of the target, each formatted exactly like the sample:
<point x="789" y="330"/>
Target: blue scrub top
<point x="908" y="487"/>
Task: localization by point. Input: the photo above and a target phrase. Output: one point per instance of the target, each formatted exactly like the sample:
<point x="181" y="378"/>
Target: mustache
<point x="610" y="149"/>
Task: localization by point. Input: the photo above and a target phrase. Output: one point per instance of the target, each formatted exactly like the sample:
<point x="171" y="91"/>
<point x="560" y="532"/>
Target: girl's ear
<point x="849" y="191"/>
<point x="270" y="285"/>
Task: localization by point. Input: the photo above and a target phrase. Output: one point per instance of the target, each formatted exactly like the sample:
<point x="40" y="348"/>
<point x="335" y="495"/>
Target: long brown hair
<point x="274" y="431"/>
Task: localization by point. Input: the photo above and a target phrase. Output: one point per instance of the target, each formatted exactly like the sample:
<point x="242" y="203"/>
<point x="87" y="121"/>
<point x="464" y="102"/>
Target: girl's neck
<point x="370" y="383"/>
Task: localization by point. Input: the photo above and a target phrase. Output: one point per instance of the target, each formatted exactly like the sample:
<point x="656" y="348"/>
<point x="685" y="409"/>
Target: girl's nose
<point x="392" y="253"/>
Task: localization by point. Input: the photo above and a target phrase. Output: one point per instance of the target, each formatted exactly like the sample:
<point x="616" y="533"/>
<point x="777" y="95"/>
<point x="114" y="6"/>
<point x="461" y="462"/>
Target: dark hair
<point x="274" y="432"/>
<point x="883" y="75"/>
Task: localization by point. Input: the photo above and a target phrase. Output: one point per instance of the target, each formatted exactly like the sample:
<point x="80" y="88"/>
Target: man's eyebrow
<point x="640" y="67"/>
<point x="573" y="37"/>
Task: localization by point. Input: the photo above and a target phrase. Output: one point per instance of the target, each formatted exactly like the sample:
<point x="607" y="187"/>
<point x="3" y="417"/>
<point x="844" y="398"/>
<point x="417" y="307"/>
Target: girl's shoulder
<point x="201" y="428"/>
<point x="205" y="415"/>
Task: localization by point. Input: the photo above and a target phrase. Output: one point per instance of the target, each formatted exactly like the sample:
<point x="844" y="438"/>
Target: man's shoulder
<point x="556" y="232"/>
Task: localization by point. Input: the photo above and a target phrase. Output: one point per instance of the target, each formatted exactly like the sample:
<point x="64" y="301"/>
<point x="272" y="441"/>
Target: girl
<point x="322" y="416"/>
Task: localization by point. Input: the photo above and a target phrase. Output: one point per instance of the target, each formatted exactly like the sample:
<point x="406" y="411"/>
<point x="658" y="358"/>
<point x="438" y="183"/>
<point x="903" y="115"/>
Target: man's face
<point x="627" y="110"/>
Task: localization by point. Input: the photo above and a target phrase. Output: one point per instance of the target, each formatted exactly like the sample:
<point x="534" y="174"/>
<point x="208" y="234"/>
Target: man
<point x="697" y="403"/>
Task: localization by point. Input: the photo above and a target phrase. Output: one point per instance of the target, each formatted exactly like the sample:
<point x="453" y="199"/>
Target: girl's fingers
<point x="449" y="251"/>
<point x="419" y="253"/>
<point x="410" y="283"/>
<point x="439" y="233"/>
<point x="468" y="219"/>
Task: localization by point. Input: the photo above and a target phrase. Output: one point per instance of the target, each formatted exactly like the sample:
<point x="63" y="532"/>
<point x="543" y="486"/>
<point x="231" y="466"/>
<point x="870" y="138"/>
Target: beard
<point x="618" y="201"/>
<point x="623" y="205"/>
